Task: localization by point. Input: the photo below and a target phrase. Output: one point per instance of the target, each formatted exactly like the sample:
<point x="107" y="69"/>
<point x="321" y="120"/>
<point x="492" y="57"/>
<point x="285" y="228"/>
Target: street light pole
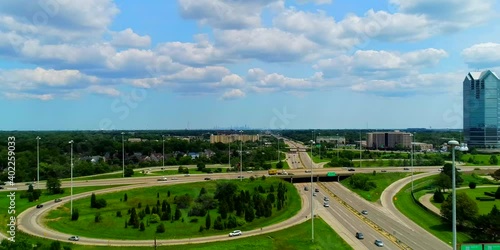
<point x="163" y="150"/>
<point x="454" y="146"/>
<point x="412" y="138"/>
<point x="312" y="201"/>
<point x="71" y="208"/>
<point x="229" y="152"/>
<point x="123" y="154"/>
<point x="37" y="161"/>
<point x="241" y="156"/>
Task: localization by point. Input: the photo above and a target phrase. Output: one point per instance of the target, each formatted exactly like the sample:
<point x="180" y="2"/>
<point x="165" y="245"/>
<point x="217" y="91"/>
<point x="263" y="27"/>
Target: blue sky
<point x="200" y="64"/>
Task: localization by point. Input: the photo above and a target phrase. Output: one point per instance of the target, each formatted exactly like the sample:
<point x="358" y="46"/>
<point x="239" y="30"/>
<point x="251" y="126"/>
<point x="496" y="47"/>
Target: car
<point x="314" y="194"/>
<point x="174" y="178"/>
<point x="379" y="243"/>
<point x="308" y="171"/>
<point x="360" y="235"/>
<point x="235" y="233"/>
<point x="364" y="212"/>
<point x="187" y="175"/>
<point x="351" y="169"/>
<point x="207" y="178"/>
<point x="241" y="177"/>
<point x="39" y="206"/>
<point x="326" y="199"/>
<point x="316" y="190"/>
<point x="326" y="204"/>
<point x="74" y="238"/>
<point x="306" y="189"/>
<point x="1" y="187"/>
<point x="57" y="200"/>
<point x="383" y="171"/>
<point x="406" y="168"/>
<point x="162" y="179"/>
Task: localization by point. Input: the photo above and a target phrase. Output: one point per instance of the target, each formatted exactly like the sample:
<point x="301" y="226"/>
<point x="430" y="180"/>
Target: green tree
<point x="497" y="193"/>
<point x="208" y="221"/>
<point x="93" y="201"/>
<point x="129" y="172"/>
<point x="154" y="218"/>
<point x="472" y="185"/>
<point x="438" y="196"/>
<point x="493" y="160"/>
<point x="55" y="245"/>
<point x="125" y="197"/>
<point x="249" y="214"/>
<point x="142" y="227"/>
<point x="75" y="214"/>
<point x="279" y="165"/>
<point x="53" y="185"/>
<point x="178" y="214"/>
<point x="466" y="209"/>
<point x="443" y="181"/>
<point x="160" y="228"/>
<point x="200" y="166"/>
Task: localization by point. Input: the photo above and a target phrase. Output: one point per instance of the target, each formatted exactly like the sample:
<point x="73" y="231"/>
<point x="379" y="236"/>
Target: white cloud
<point x="317" y="2"/>
<point x="449" y="15"/>
<point x="103" y="90"/>
<point x="233" y="94"/>
<point x="43" y="97"/>
<point x="231" y="81"/>
<point x="127" y="38"/>
<point x="231" y="14"/>
<point x="260" y="81"/>
<point x="482" y="55"/>
<point x="202" y="52"/>
<point x="265" y="44"/>
<point x="380" y="64"/>
<point x="194" y="75"/>
<point x="58" y="19"/>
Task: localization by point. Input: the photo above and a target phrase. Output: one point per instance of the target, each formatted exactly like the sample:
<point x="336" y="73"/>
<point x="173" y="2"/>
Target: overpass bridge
<point x="317" y="177"/>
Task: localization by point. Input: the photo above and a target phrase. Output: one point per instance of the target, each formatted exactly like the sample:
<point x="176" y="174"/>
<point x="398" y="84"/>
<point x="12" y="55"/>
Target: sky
<point x="269" y="64"/>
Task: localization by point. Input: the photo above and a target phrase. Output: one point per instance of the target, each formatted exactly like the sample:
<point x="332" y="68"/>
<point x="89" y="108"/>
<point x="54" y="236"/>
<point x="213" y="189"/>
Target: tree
<point x="447" y="170"/>
<point x="487" y="227"/>
<point x="53" y="185"/>
<point x="178" y="214"/>
<point x="496" y="174"/>
<point x="279" y="165"/>
<point x="97" y="217"/>
<point x="249" y="214"/>
<point x="142" y="227"/>
<point x="200" y="166"/>
<point x="154" y="218"/>
<point x="466" y="209"/>
<point x="92" y="201"/>
<point x="443" y="181"/>
<point x="472" y="185"/>
<point x="493" y="160"/>
<point x="497" y="193"/>
<point x="208" y="221"/>
<point x="55" y="245"/>
<point x="75" y="214"/>
<point x="160" y="228"/>
<point x="125" y="197"/>
<point x="438" y="196"/>
<point x="218" y="225"/>
<point x="128" y="172"/>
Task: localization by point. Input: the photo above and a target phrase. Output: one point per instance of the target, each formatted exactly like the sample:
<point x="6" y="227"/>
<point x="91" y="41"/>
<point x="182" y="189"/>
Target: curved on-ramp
<point x="30" y="221"/>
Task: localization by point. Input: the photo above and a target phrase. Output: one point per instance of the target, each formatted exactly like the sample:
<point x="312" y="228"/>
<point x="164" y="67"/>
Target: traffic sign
<point x="331" y="174"/>
<point x="471" y="247"/>
<point x="491" y="246"/>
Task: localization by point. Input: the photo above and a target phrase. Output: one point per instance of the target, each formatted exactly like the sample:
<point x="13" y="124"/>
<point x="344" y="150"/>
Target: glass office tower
<point x="482" y="109"/>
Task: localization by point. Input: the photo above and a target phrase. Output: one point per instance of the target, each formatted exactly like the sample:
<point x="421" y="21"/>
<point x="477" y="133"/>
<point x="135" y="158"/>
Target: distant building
<point x="423" y="146"/>
<point x="331" y="139"/>
<point x="481" y="109"/>
<point x="233" y="138"/>
<point x="388" y="140"/>
<point x="134" y="139"/>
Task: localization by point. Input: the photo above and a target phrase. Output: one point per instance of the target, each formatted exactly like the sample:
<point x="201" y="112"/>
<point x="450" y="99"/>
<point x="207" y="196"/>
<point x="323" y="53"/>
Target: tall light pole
<point x="319" y="146"/>
<point x="123" y="154"/>
<point x="37" y="161"/>
<point x="360" y="150"/>
<point x="241" y="156"/>
<point x="278" y="137"/>
<point x="163" y="150"/>
<point x="229" y="152"/>
<point x="71" y="208"/>
<point x="454" y="146"/>
<point x="412" y="138"/>
<point x="312" y="201"/>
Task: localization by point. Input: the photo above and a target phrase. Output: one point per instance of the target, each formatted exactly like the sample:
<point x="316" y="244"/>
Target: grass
<point x="382" y="180"/>
<point x="292" y="238"/>
<point x="23" y="204"/>
<point x="426" y="219"/>
<point x="112" y="227"/>
<point x="484" y="206"/>
<point x="139" y="174"/>
<point x="316" y="158"/>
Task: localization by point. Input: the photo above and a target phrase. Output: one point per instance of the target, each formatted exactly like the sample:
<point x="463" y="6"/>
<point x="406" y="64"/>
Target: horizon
<point x="274" y="64"/>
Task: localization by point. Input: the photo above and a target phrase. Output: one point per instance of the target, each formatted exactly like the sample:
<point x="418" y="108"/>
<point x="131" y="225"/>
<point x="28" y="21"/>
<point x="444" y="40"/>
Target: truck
<point x="272" y="171"/>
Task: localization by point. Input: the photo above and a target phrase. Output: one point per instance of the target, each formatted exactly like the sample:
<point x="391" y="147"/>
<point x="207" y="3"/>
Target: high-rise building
<point x="233" y="138"/>
<point x="388" y="140"/>
<point x="481" y="92"/>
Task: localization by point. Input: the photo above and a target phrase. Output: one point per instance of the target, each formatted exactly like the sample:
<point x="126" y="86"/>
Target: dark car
<point x="351" y="169"/>
<point x="39" y="206"/>
<point x="57" y="200"/>
<point x="360" y="235"/>
<point x="406" y="168"/>
<point x="207" y="178"/>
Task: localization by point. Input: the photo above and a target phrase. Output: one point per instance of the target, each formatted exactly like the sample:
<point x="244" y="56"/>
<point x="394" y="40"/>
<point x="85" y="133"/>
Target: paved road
<point x="30" y="221"/>
<point x="411" y="233"/>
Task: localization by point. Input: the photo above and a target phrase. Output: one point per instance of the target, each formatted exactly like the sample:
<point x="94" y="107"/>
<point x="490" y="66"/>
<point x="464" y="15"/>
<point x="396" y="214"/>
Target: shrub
<point x="100" y="203"/>
<point x="154" y="218"/>
<point x="139" y="205"/>
<point x="118" y="213"/>
<point x="125" y="197"/>
<point x="97" y="217"/>
<point x="438" y="196"/>
<point x="160" y="228"/>
<point x="472" y="185"/>
<point x="75" y="214"/>
<point x="142" y="227"/>
<point x="194" y="220"/>
<point x="201" y="229"/>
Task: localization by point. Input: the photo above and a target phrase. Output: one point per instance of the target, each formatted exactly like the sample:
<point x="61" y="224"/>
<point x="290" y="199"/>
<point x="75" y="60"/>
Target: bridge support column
<point x="338" y="178"/>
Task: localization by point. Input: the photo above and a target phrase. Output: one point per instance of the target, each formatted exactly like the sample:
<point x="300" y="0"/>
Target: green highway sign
<point x="318" y="145"/>
<point x="491" y="246"/>
<point x="330" y="174"/>
<point x="472" y="247"/>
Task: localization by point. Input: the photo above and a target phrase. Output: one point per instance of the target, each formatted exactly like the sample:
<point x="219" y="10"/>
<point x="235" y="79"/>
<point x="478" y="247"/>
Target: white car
<point x="235" y="233"/>
<point x="163" y="179"/>
<point x="74" y="238"/>
<point x="379" y="243"/>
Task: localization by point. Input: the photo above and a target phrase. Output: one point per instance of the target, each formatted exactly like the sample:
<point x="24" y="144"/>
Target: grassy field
<point x="23" y="204"/>
<point x="479" y="159"/>
<point x="112" y="227"/>
<point x="382" y="180"/>
<point x="316" y="158"/>
<point x="139" y="174"/>
<point x="484" y="206"/>
<point x="426" y="219"/>
<point x="293" y="238"/>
